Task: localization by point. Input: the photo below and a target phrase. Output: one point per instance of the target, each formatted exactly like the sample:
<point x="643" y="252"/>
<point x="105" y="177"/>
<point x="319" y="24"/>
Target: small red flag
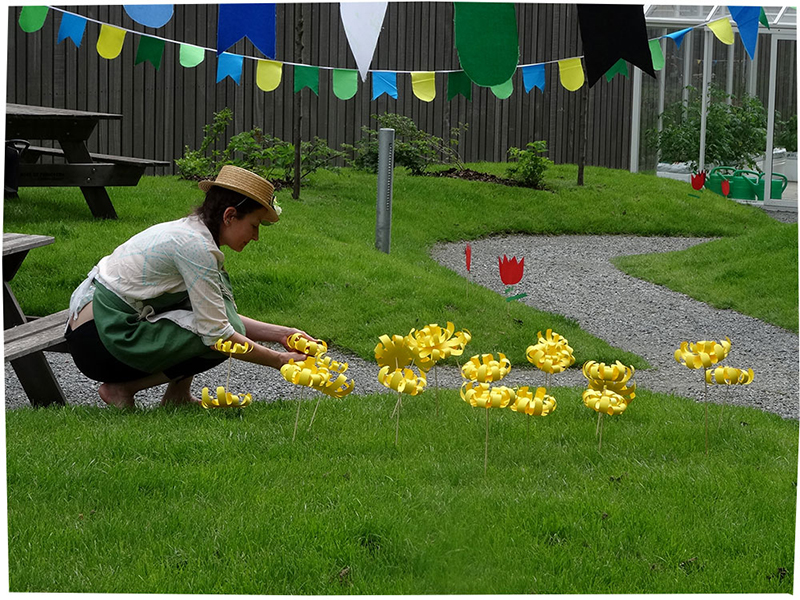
<point x="468" y="252"/>
<point x="726" y="187"/>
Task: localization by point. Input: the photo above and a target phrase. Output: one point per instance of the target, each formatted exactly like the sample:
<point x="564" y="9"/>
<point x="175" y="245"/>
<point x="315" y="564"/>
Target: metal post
<point x="383" y="225"/>
<point x="773" y="76"/>
<point x="707" y="57"/>
<point x="636" y="119"/>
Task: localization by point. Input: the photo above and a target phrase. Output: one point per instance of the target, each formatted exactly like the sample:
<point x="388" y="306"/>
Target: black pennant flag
<point x="610" y="32"/>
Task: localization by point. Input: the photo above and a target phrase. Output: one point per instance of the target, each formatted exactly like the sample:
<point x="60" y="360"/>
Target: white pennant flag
<point x="362" y="23"/>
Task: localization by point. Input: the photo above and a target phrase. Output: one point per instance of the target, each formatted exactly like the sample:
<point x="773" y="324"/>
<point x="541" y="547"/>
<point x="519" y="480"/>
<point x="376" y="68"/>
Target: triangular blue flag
<point x="533" y="76"/>
<point x="255" y="21"/>
<point x="677" y="36"/>
<point x="72" y="27"/>
<point x="384" y="82"/>
<point x="746" y="18"/>
<point x="229" y="65"/>
<point x="150" y="15"/>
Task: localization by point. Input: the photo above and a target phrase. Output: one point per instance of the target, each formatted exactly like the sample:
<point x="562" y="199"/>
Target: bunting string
<point x="384" y="81"/>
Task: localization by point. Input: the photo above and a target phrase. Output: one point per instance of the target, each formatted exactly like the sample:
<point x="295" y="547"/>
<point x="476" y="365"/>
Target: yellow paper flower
<point x="483" y="368"/>
<point x="703" y="354"/>
<point x="606" y="401"/>
<point x="610" y="377"/>
<point x="302" y="344"/>
<point x="482" y="395"/>
<point x="552" y="354"/>
<point x="311" y="373"/>
<point x="393" y="352"/>
<point x="539" y="404"/>
<point x="231" y="348"/>
<point x="224" y="399"/>
<point x="433" y="343"/>
<point x="402" y="380"/>
<point x="729" y="376"/>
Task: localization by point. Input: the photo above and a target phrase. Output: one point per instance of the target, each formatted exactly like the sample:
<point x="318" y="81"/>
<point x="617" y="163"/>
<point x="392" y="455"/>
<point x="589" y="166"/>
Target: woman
<point x="149" y="313"/>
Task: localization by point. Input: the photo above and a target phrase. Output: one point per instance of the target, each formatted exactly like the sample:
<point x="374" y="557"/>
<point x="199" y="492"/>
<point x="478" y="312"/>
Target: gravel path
<point x="571" y="276"/>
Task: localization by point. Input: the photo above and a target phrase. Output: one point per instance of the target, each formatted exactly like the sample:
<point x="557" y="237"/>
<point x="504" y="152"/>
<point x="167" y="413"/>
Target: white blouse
<point x="177" y="256"/>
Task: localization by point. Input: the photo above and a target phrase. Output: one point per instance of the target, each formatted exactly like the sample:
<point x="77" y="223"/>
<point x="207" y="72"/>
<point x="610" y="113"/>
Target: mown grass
<point x="186" y="501"/>
<point x="318" y="269"/>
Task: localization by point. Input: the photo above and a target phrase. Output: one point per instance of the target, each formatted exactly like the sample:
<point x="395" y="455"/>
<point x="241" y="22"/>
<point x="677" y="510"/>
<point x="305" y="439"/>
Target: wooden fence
<point x="165" y="110"/>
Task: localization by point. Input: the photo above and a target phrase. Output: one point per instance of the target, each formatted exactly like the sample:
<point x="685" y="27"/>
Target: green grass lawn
<point x="193" y="502"/>
<point x="186" y="501"/>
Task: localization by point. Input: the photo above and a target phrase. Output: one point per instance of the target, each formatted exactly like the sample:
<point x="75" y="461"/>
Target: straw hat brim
<point x="242" y="188"/>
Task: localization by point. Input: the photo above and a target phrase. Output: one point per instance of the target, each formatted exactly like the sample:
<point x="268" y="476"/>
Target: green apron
<point x="154" y="346"/>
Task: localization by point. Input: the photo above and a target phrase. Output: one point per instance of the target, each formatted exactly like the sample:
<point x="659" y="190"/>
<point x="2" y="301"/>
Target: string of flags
<point x="612" y="36"/>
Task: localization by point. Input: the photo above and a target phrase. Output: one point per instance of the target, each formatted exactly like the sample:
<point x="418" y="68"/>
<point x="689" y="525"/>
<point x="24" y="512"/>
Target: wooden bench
<point x="44" y="333"/>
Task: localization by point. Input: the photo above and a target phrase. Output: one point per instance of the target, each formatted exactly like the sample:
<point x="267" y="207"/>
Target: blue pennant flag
<point x="150" y="15"/>
<point x="677" y="36"/>
<point x="384" y="82"/>
<point x="72" y="27"/>
<point x="746" y="18"/>
<point x="533" y="76"/>
<point x="229" y="65"/>
<point x="254" y="21"/>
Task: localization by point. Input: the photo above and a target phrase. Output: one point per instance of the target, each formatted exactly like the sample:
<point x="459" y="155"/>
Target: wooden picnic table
<point x="71" y="129"/>
<point x="27" y="360"/>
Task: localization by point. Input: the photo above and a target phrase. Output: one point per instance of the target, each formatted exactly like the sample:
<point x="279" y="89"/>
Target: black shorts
<point x="95" y="361"/>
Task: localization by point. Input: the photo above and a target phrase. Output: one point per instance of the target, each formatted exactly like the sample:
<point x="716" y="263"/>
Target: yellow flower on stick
<point x="552" y="354"/>
<point x="728" y="376"/>
<point x="480" y="371"/>
<point x="433" y="343"/>
<point x="394" y="355"/>
<point x="703" y="355"/>
<point x="224" y="399"/>
<point x="483" y="368"/>
<point x="608" y="391"/>
<point x="538" y="404"/>
<point x="318" y="372"/>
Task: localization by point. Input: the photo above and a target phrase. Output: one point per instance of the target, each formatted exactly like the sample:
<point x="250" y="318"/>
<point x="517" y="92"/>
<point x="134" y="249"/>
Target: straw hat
<point x="247" y="183"/>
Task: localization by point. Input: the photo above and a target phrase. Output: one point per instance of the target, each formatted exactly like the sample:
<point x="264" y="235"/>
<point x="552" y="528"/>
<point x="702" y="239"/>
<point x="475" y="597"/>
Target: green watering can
<point x="742" y="187"/>
<point x="777" y="186"/>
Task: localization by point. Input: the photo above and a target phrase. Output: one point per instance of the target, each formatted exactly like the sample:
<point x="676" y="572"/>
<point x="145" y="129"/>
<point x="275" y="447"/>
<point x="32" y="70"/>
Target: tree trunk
<point x="584" y="132"/>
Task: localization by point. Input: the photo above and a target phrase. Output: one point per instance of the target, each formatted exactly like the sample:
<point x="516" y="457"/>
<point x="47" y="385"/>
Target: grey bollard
<point x="383" y="225"/>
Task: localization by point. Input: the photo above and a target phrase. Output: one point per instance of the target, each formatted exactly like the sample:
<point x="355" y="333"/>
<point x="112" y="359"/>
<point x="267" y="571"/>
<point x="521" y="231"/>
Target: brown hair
<point x="217" y="200"/>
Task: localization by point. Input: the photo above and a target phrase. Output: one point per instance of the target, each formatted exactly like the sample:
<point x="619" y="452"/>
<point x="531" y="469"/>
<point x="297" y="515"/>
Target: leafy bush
<point x="530" y="167"/>
<point x="735" y="133"/>
<point x="266" y="155"/>
<point x="413" y="148"/>
<point x="786" y="133"/>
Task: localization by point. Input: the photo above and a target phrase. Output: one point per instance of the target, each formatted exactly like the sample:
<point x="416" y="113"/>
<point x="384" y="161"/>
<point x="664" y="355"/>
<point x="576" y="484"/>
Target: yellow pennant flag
<point x="424" y="85"/>
<point x="723" y="30"/>
<point x="268" y="74"/>
<point x="109" y="44"/>
<point x="571" y="73"/>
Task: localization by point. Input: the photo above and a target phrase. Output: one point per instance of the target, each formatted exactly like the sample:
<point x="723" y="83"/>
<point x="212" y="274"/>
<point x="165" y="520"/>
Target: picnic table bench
<point x="91" y="172"/>
<point x="25" y="338"/>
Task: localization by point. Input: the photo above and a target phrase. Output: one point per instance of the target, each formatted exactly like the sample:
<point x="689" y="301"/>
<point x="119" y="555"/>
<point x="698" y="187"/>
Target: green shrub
<point x="735" y="133"/>
<point x="266" y="155"/>
<point x="530" y="167"/>
<point x="786" y="133"/>
<point x="413" y="148"/>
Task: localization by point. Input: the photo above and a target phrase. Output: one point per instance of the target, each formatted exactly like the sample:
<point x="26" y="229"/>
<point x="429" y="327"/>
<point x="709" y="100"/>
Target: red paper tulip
<point x="511" y="270"/>
<point x="698" y="180"/>
<point x="726" y="187"/>
<point x="468" y="251"/>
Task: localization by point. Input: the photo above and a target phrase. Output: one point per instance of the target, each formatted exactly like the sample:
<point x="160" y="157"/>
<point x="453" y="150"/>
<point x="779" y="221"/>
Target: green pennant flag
<point x="657" y="54"/>
<point x="504" y="90"/>
<point x="150" y="49"/>
<point x="32" y="18"/>
<point x="345" y="83"/>
<point x="620" y="68"/>
<point x="762" y="18"/>
<point x="306" y="77"/>
<point x="459" y="83"/>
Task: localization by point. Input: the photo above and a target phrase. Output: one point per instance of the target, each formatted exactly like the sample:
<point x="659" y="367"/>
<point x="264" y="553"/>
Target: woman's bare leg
<point x="121" y="394"/>
<point x="179" y="392"/>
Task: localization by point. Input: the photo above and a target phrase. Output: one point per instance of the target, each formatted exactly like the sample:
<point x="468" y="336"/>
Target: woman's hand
<point x="285" y="357"/>
<point x="284" y="340"/>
